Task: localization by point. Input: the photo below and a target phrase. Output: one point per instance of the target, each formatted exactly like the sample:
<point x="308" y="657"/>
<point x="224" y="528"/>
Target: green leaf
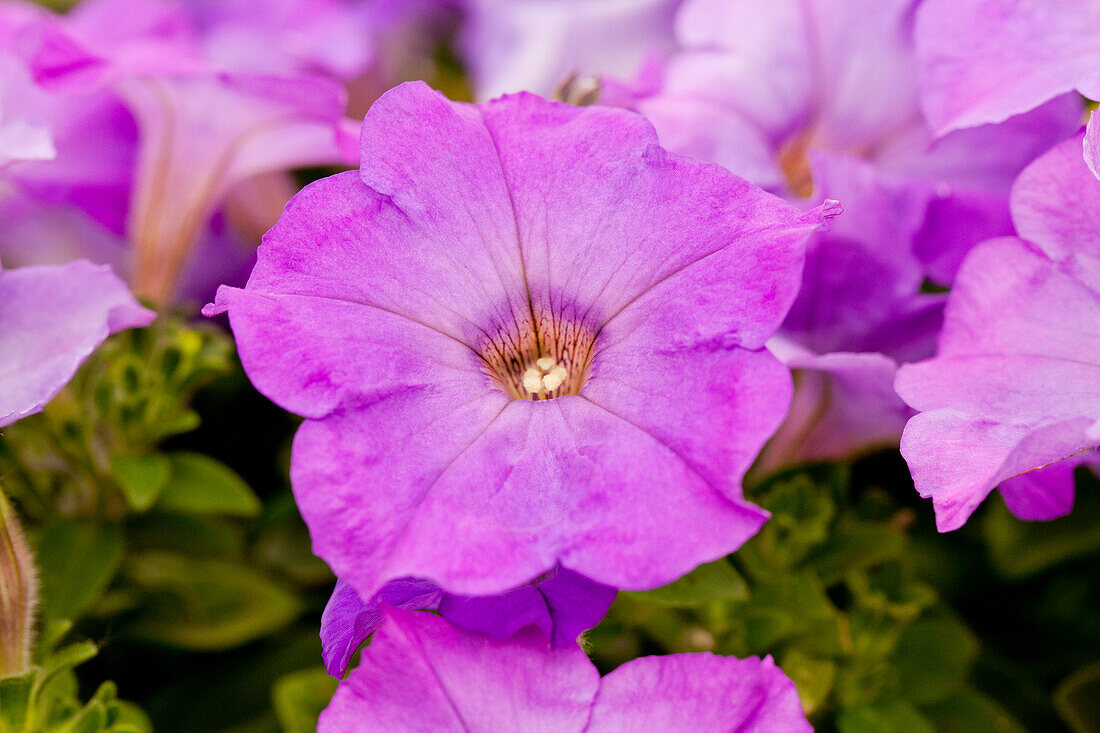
<point x="188" y="534"/>
<point x="127" y="717"/>
<point x="933" y="658"/>
<point x="813" y="677"/>
<point x="77" y="558"/>
<point x="141" y="478"/>
<point x="1077" y="699"/>
<point x="64" y="660"/>
<point x="91" y="719"/>
<point x="300" y="697"/>
<point x="15" y="701"/>
<point x="1021" y="549"/>
<point x="792" y="610"/>
<point x="855" y="547"/>
<point x="891" y="717"/>
<point x="206" y="604"/>
<point x="714" y="581"/>
<point x="202" y="485"/>
<point x="969" y="710"/>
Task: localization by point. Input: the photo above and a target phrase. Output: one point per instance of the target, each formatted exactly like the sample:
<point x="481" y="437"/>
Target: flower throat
<point x="551" y="360"/>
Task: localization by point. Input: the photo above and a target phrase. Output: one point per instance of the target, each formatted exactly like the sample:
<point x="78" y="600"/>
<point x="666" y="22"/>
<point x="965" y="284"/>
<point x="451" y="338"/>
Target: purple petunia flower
<point x="813" y="99"/>
<point x="1012" y="399"/>
<point x="562" y="605"/>
<point x="202" y="128"/>
<point x="522" y="335"/>
<point x="983" y="61"/>
<point x="420" y="673"/>
<point x="51" y="319"/>
<point x="538" y="45"/>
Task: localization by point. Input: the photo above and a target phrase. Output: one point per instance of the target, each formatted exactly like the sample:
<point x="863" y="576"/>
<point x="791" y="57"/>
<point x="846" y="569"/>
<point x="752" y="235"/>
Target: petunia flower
<point x="1012" y="398"/>
<point x="563" y="604"/>
<point x="983" y="61"/>
<point x="203" y="128"/>
<point x="51" y="319"/>
<point x="538" y="45"/>
<point x="21" y="139"/>
<point x="523" y="336"/>
<point x="420" y="673"/>
<point x="818" y="99"/>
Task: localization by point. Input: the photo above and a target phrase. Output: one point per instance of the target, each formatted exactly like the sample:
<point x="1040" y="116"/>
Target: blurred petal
<point x="51" y="319"/>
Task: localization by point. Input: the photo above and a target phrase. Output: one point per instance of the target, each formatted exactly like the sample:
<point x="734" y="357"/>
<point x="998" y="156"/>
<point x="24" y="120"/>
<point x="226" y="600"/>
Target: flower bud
<point x="18" y="594"/>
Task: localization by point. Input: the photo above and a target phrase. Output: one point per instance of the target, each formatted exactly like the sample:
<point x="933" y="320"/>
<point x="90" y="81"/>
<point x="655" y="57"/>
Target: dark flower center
<point x="541" y="363"/>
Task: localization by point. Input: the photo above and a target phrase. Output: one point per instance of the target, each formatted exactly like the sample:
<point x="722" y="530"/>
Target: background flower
<point x="982" y="61"/>
<point x="1012" y="387"/>
<point x="820" y="99"/>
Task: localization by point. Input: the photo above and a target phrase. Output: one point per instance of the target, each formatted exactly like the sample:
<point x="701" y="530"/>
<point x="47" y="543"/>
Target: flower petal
<point x="421" y="673"/>
<point x="985" y="60"/>
<point x="52" y="318"/>
<point x="700" y="692"/>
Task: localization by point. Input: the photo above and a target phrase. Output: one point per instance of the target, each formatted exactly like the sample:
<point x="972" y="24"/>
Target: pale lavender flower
<point x="203" y="128"/>
<point x="1012" y="398"/>
<point x="538" y="45"/>
<point x="814" y="99"/>
<point x="983" y="61"/>
<point x="563" y="604"/>
<point x="51" y="319"/>
<point x="420" y="673"/>
<point x="523" y="336"/>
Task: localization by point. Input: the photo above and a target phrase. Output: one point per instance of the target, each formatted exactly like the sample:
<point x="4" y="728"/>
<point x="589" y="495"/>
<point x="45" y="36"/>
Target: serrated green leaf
<point x="1077" y="699"/>
<point x="201" y="485"/>
<point x="300" y="697"/>
<point x="206" y="604"/>
<point x="77" y="558"/>
<point x="891" y="717"/>
<point x="714" y="581"/>
<point x="141" y="478"/>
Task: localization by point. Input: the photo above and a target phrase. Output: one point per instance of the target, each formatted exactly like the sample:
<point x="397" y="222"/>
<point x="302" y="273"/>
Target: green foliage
<point x="300" y="697"/>
<point x="44" y="700"/>
<point x="828" y="588"/>
<point x="143" y="540"/>
<point x="1078" y="699"/>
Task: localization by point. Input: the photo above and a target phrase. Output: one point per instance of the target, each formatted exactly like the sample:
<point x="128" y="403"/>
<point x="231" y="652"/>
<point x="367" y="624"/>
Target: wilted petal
<point x="348" y="620"/>
<point x="562" y="604"/>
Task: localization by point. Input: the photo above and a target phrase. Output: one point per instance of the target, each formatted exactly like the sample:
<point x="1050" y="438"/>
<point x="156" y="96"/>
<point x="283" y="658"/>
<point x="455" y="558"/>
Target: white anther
<point x="545" y="363"/>
<point x="532" y="380"/>
<point x="555" y="378"/>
